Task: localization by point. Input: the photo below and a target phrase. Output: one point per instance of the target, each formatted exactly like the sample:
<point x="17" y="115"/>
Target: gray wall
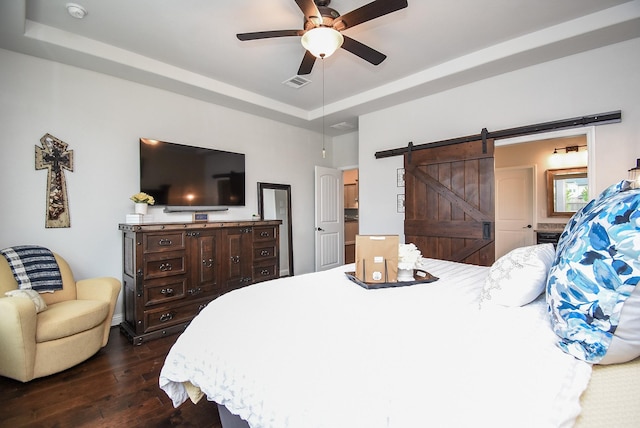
<point x="101" y="118"/>
<point x="596" y="81"/>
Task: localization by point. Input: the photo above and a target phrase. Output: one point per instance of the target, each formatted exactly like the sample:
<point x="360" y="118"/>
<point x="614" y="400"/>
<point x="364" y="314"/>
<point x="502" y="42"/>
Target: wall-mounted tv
<point x="188" y="178"/>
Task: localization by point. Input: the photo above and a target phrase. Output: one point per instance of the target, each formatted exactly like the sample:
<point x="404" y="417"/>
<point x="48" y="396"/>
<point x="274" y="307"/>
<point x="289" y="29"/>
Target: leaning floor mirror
<point x="274" y="203"/>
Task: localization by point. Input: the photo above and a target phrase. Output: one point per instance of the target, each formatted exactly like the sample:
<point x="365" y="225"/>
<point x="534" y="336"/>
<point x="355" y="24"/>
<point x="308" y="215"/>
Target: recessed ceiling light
<point x="76" y="10"/>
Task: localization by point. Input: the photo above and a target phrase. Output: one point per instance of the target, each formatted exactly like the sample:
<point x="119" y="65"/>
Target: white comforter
<point x="317" y="350"/>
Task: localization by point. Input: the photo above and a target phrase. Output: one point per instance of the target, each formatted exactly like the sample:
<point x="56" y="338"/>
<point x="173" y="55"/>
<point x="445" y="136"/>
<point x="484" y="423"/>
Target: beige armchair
<point x="74" y="326"/>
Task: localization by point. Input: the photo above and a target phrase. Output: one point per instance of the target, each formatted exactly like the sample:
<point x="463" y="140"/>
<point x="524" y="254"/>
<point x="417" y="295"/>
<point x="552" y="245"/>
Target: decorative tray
<point x="420" y="276"/>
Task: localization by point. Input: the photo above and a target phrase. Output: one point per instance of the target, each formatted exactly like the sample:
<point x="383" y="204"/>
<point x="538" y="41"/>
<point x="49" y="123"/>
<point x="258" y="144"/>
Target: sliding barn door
<point x="449" y="202"/>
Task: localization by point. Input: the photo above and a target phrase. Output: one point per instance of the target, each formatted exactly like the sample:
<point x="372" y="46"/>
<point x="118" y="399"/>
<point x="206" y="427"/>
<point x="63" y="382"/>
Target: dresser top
<point x="142" y="227"/>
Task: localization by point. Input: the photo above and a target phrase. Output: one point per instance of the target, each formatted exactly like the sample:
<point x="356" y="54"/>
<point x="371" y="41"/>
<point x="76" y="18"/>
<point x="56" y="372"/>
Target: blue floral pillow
<point x="591" y="285"/>
<point x="621" y="186"/>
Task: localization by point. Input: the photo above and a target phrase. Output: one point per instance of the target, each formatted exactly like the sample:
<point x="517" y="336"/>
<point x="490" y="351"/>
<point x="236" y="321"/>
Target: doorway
<point x="351" y="225"/>
<point x="537" y="151"/>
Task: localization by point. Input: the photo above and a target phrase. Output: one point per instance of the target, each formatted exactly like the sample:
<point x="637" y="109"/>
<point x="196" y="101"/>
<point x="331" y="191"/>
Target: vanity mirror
<point x="567" y="191"/>
<point x="274" y="203"/>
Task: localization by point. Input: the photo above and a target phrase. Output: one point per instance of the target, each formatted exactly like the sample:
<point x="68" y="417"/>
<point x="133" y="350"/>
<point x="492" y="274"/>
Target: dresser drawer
<point x="160" y="242"/>
<point x="264" y="251"/>
<point x="160" y="265"/>
<point x="156" y="319"/>
<point x="264" y="233"/>
<point x="265" y="272"/>
<point x="164" y="290"/>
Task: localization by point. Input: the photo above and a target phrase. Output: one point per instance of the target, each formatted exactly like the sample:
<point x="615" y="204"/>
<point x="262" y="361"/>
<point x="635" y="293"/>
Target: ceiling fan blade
<point x="368" y="12"/>
<point x="309" y="8"/>
<point x="307" y="63"/>
<point x="269" y="34"/>
<point x="363" y="51"/>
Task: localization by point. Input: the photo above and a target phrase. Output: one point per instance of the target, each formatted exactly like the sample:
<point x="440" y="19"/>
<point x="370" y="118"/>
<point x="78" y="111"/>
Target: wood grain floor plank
<point x="117" y="387"/>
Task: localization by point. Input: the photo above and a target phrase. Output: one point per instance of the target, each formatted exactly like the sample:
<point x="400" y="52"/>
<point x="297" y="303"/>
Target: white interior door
<point x="514" y="208"/>
<point x="329" y="218"/>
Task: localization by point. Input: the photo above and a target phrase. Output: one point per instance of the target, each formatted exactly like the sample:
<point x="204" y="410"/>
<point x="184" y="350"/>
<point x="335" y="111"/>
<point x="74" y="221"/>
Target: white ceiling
<point x="189" y="47"/>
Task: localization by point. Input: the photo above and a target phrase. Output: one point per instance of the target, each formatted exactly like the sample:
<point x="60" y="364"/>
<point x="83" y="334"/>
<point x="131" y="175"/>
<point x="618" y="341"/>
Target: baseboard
<point x="116" y="320"/>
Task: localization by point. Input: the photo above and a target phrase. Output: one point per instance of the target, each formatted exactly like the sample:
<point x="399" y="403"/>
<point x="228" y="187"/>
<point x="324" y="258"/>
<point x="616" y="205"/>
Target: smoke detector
<point x="76" y="10"/>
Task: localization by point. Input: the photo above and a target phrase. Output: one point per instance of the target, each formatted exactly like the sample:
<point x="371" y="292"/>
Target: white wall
<point x="101" y="118"/>
<point x="345" y="150"/>
<point x="597" y="81"/>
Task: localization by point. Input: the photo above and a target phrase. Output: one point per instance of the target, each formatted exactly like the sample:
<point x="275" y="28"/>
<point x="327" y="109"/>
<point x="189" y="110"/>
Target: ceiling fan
<point x="321" y="33"/>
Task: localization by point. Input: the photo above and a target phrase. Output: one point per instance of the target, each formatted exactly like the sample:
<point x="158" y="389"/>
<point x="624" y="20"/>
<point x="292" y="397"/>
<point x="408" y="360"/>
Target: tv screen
<point x="191" y="178"/>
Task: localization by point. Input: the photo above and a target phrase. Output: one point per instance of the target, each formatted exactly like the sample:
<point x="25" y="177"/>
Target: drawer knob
<point x="265" y="272"/>
<point x="194" y="291"/>
<point x="164" y="267"/>
<point x="167" y="291"/>
<point x="166" y="317"/>
<point x="165" y="242"/>
<point x="235" y="259"/>
<point x="207" y="263"/>
<point x="264" y="234"/>
<point x="264" y="252"/>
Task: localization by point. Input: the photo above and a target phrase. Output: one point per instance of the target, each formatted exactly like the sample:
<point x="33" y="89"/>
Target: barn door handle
<point x="486" y="230"/>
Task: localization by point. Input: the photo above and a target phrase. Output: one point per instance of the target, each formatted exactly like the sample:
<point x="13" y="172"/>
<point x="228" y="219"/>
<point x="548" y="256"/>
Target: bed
<point x="480" y="346"/>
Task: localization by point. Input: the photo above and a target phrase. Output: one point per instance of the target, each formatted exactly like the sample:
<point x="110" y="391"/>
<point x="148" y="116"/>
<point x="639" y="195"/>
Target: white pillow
<point x="29" y="294"/>
<point x="518" y="277"/>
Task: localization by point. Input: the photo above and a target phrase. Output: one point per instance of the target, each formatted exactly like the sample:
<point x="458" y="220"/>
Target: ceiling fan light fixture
<point x="322" y="42"/>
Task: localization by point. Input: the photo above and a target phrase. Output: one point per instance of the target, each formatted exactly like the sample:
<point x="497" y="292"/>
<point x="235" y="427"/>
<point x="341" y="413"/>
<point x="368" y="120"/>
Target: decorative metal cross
<point x="54" y="156"/>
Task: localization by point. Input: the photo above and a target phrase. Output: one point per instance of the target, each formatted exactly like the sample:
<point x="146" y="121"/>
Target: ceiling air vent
<point x="297" y="82"/>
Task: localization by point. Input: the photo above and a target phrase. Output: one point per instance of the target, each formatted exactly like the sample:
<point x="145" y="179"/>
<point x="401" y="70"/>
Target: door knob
<point x="527" y="226"/>
<point x="319" y="229"/>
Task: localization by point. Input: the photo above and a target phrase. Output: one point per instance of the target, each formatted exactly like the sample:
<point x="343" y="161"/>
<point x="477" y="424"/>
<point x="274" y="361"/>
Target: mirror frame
<point x="556" y="174"/>
<point x="286" y="188"/>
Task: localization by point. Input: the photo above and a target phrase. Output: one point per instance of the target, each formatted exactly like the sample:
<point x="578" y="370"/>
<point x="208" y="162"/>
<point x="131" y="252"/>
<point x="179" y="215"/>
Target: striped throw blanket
<point x="34" y="268"/>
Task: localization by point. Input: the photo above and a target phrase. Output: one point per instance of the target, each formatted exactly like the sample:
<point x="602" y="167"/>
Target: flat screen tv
<point x="187" y="178"/>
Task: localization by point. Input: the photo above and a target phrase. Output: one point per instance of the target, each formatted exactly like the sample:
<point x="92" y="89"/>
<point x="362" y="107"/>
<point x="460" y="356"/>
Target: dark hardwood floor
<point x="117" y="387"/>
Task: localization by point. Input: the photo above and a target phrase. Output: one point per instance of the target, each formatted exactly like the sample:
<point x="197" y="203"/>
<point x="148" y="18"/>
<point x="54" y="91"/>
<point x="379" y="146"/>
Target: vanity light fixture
<point x="568" y="149"/>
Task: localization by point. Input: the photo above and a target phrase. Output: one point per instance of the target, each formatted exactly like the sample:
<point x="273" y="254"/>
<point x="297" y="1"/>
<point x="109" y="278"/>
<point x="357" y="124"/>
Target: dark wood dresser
<point x="171" y="271"/>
